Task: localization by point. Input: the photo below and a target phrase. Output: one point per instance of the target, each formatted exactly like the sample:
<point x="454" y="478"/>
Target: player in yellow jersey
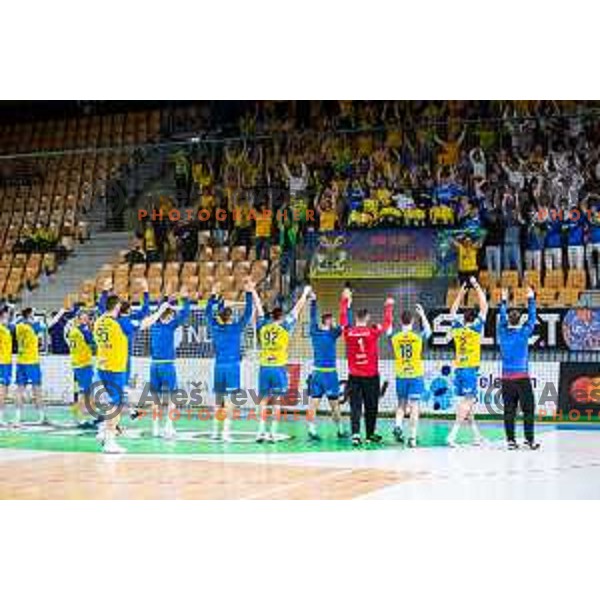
<point x="6" y="347"/>
<point x="274" y="338"/>
<point x="111" y="333"/>
<point x="27" y="332"/>
<point x="81" y="348"/>
<point x="407" y="344"/>
<point x="467" y="333"/>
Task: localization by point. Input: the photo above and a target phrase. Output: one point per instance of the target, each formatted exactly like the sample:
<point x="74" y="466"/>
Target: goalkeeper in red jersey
<point x="362" y="340"/>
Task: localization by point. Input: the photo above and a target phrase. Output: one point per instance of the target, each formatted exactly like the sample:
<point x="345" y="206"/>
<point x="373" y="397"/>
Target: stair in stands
<point x="82" y="264"/>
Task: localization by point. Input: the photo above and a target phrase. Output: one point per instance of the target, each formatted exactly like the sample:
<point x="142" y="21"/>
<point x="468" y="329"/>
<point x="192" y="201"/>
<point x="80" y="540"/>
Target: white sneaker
<point x="451" y="443"/>
<point x="101" y="436"/>
<point x="261" y="437"/>
<point x="227" y="437"/>
<point x="155" y="429"/>
<point x="215" y="436"/>
<point x="111" y="447"/>
<point x="479" y="441"/>
<point x="169" y="433"/>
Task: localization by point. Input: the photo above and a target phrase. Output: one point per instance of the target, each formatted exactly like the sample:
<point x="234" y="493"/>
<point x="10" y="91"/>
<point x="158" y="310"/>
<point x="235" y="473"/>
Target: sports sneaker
<point x="169" y="433"/>
<point x="313" y="436"/>
<point x="512" y="445"/>
<point x="134" y="414"/>
<point x="215" y="436"/>
<point x="261" y="438"/>
<point x="271" y="438"/>
<point x="227" y="437"/>
<point x="374" y="438"/>
<point x="155" y="429"/>
<point x="101" y="436"/>
<point x="398" y="434"/>
<point x="412" y="442"/>
<point x="532" y="445"/>
<point x="111" y="447"/>
<point x="343" y="435"/>
<point x="479" y="441"/>
<point x="356" y="441"/>
<point x="451" y="443"/>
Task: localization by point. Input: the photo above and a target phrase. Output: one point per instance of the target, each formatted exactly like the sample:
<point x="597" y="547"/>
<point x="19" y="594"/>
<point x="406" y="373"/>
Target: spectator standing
<point x="494" y="224"/>
<point x="576" y="223"/>
<point x="262" y="232"/>
<point x="592" y="247"/>
<point x="512" y="242"/>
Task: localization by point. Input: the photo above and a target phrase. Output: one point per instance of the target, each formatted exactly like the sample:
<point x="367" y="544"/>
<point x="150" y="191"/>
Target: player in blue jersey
<point x="163" y="375"/>
<point x="226" y="334"/>
<point x="324" y="380"/>
<point x="513" y="336"/>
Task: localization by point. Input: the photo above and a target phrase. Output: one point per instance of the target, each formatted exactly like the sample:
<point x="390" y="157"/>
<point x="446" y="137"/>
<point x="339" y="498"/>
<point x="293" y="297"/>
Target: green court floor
<point x="193" y="436"/>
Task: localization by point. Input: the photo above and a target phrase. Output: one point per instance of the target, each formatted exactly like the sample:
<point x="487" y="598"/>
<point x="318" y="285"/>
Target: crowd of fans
<point x="518" y="180"/>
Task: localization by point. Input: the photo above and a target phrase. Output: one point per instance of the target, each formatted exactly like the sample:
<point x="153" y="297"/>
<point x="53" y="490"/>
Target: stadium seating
<point x="46" y="196"/>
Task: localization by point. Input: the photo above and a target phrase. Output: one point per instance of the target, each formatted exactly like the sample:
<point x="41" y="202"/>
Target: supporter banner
<point x="580" y="387"/>
<point x="376" y="254"/>
<point x="548" y="334"/>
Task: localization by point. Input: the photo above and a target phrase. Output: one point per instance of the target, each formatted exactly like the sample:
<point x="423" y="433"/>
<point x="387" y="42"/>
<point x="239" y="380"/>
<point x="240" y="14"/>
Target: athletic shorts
<point x="272" y="381"/>
<point x="465" y="381"/>
<point x="163" y="377"/>
<point x="114" y="384"/>
<point x="5" y="374"/>
<point x="29" y="374"/>
<point x="324" y="383"/>
<point x="83" y="377"/>
<point x="226" y="378"/>
<point x="409" y="387"/>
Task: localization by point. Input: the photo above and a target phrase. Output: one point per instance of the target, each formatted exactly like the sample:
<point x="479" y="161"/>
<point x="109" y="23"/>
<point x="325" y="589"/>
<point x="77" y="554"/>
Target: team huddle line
<point x="110" y="342"/>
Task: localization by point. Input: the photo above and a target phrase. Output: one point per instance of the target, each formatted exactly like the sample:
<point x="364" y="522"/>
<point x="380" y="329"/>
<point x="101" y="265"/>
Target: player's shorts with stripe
<point x="29" y="374"/>
<point x="5" y="374"/>
<point x="465" y="381"/>
<point x="272" y="381"/>
<point x="409" y="387"/>
<point x="226" y="378"/>
<point x="114" y="384"/>
<point x="163" y="377"/>
<point x="324" y="383"/>
<point x="83" y="378"/>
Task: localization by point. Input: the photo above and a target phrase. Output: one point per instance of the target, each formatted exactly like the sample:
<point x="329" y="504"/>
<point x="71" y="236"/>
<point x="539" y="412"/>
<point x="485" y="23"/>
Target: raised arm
<point x="458" y="301"/>
<point x="258" y="307"/>
<point x="481" y="298"/>
<point x="147" y="322"/>
<point x="531" y="310"/>
<point x="424" y="321"/>
<point x="314" y="315"/>
<point x="345" y="308"/>
<point x="298" y="308"/>
<point x="184" y="311"/>
<point x="388" y="315"/>
<point x="211" y="305"/>
<point x="249" y="305"/>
